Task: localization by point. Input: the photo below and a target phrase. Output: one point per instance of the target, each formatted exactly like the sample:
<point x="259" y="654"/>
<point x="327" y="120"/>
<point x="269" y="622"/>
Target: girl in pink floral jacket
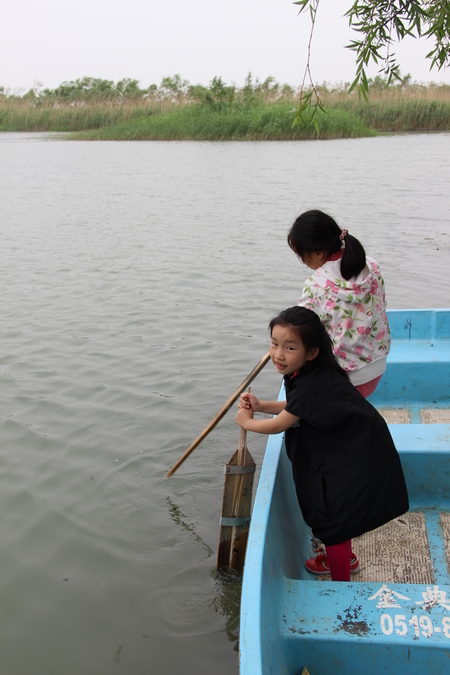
<point x="346" y="290"/>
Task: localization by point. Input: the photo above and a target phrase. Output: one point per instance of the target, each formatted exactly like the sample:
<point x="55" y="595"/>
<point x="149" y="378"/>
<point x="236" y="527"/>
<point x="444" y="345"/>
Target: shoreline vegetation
<point x="94" y="109"/>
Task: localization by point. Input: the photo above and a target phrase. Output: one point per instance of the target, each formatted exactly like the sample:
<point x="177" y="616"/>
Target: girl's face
<point x="287" y="351"/>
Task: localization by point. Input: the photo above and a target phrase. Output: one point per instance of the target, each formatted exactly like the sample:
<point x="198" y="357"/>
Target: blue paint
<point x="290" y="620"/>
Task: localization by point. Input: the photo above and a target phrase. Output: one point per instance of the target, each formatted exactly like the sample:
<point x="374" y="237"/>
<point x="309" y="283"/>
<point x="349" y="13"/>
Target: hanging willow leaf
<point x="380" y="24"/>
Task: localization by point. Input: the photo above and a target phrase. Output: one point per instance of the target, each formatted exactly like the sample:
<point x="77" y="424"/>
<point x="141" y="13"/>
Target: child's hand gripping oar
<point x="224" y="409"/>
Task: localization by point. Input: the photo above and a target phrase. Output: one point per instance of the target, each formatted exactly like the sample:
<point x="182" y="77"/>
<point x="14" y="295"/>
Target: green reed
<point x="239" y="118"/>
<point x="235" y="123"/>
<point x="19" y="115"/>
<point x="410" y="115"/>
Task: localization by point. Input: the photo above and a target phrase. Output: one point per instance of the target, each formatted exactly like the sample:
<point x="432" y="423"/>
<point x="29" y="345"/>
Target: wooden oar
<point x="223" y="411"/>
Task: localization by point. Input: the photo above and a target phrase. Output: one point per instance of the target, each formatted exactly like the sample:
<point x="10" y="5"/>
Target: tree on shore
<point x="380" y="24"/>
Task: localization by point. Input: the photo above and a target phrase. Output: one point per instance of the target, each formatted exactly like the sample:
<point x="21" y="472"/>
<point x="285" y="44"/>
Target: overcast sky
<point x="51" y="41"/>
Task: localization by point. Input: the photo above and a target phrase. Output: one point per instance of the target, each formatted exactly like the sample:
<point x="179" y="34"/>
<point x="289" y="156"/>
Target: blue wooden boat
<point x="394" y="616"/>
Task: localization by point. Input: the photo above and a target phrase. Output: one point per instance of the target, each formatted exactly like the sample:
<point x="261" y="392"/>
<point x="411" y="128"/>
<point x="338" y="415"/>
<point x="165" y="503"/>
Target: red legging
<point x="339" y="557"/>
<point x="368" y="387"/>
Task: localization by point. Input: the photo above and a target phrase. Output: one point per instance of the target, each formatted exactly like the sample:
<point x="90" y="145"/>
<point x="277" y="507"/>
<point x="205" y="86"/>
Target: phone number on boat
<point x="420" y="625"/>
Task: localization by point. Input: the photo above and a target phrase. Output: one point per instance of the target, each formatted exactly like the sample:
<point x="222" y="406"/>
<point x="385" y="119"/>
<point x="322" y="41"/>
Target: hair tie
<point x="343" y="234"/>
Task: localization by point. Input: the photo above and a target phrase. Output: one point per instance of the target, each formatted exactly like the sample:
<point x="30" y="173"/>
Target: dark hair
<point x="316" y="231"/>
<point x="311" y="331"/>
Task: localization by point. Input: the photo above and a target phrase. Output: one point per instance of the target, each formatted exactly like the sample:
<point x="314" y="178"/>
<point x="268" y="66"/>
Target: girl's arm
<point x="275" y="425"/>
<point x="272" y="407"/>
<point x="250" y="402"/>
<point x="314" y="298"/>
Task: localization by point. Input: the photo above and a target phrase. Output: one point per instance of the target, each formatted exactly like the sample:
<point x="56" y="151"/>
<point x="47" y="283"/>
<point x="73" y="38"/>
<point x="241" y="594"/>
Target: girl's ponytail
<point x="354" y="257"/>
<point x="317" y="231"/>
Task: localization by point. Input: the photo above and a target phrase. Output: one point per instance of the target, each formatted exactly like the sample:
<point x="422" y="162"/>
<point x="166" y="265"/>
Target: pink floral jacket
<point x="354" y="314"/>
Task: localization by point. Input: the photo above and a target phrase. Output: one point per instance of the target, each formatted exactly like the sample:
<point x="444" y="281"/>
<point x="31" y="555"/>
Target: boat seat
<point x="418" y="364"/>
<point x="415" y="373"/>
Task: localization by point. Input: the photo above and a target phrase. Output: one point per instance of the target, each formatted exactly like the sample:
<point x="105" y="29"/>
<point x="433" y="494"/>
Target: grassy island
<point x="93" y="109"/>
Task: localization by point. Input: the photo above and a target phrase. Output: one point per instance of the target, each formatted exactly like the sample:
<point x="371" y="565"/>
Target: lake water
<point x="137" y="282"/>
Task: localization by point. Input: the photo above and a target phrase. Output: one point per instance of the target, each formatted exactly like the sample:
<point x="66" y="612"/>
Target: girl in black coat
<point x="346" y="469"/>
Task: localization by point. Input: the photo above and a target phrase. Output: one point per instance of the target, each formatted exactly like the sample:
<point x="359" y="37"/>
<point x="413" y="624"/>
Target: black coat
<point x="346" y="469"/>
